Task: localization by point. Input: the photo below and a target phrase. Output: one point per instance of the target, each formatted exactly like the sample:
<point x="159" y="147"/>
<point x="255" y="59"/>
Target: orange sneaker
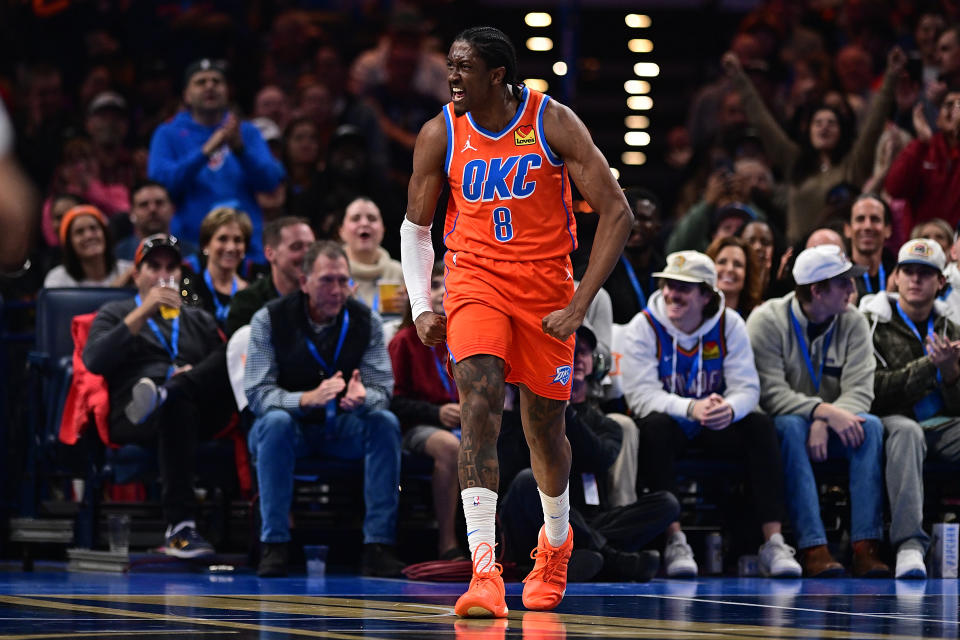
<point x="543" y="589"/>
<point x="485" y="596"/>
<point x="495" y="629"/>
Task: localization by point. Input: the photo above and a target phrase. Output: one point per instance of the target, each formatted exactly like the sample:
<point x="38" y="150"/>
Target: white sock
<point x="556" y="516"/>
<point x="480" y="511"/>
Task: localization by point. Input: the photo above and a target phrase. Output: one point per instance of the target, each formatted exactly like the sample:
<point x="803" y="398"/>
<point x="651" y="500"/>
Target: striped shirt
<point x="261" y="373"/>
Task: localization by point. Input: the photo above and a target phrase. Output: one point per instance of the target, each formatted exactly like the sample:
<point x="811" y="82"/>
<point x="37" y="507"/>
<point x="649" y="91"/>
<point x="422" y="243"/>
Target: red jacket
<point x="418" y="389"/>
<point x="927" y="175"/>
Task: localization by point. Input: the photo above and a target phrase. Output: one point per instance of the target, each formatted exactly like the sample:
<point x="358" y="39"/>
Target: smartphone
<point x="915" y="67"/>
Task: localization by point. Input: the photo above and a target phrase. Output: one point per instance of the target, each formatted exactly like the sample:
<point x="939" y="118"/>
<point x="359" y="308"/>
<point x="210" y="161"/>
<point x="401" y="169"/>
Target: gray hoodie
<point x="786" y="385"/>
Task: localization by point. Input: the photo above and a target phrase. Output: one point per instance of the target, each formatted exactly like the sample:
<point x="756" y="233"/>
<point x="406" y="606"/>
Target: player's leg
<point x="543" y="425"/>
<point x="480" y="382"/>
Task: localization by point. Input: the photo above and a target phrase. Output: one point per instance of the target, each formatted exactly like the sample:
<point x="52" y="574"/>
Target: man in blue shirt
<point x="206" y="157"/>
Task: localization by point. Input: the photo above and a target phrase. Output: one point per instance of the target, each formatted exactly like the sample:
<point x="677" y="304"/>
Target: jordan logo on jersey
<point x="468" y="146"/>
<point x="524" y="135"/>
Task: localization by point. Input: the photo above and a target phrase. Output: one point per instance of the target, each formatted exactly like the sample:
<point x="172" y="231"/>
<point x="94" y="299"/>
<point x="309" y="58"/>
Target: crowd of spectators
<point x="263" y="192"/>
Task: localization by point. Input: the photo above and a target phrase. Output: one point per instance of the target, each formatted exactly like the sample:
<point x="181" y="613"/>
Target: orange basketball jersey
<point x="510" y="196"/>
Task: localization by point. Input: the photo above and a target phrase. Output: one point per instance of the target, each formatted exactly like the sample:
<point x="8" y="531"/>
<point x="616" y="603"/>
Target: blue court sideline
<point x="56" y="604"/>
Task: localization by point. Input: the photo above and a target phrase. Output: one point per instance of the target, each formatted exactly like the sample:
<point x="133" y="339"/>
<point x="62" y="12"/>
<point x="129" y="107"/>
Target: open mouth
<point x="456" y="94"/>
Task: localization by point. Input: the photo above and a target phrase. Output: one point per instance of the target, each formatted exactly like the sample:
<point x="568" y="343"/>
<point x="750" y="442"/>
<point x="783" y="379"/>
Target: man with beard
<point x="631" y="283"/>
<point x="868" y="228"/>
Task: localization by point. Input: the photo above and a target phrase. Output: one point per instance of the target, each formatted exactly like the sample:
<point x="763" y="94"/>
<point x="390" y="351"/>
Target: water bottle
<point x="714" y="564"/>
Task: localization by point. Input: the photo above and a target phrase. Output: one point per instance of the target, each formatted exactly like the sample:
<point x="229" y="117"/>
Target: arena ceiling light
<point x="636" y="86"/>
<point x="646" y="69"/>
<point x="540" y="43"/>
<point x="640" y="103"/>
<point x="636" y="122"/>
<point x="633" y="158"/>
<point x="560" y="68"/>
<point x="640" y="45"/>
<point x="636" y="138"/>
<point x="615" y="172"/>
<point x="538" y="19"/>
<point x="537" y="84"/>
<point x="637" y="20"/>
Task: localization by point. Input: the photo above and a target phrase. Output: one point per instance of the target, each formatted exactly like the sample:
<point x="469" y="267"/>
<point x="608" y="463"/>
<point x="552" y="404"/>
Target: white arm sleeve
<point x="416" y="258"/>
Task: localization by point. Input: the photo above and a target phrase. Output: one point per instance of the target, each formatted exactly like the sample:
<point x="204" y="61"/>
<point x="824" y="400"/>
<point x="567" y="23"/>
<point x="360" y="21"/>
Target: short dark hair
<point x="804" y="293"/>
<point x="495" y="49"/>
<point x="143" y="184"/>
<point x="329" y="248"/>
<point x="636" y="194"/>
<point x="887" y="214"/>
<point x="271" y="231"/>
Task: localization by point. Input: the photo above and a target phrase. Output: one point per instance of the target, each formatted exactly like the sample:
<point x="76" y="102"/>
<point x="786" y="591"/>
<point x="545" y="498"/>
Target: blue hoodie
<point x="198" y="184"/>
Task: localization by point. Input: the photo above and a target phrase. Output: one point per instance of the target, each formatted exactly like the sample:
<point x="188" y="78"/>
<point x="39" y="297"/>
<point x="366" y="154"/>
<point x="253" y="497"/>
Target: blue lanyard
<point x="881" y="283"/>
<point x="312" y="348"/>
<point x="221" y="309"/>
<point x="815" y="376"/>
<point x="444" y="377"/>
<point x="641" y="297"/>
<point x="913" y="327"/>
<point x="946" y="292"/>
<point x="172" y="347"/>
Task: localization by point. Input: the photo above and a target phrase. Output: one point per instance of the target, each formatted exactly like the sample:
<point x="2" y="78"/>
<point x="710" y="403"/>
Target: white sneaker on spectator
<point x="678" y="557"/>
<point x="144" y="400"/>
<point x="777" y="559"/>
<point x="910" y="564"/>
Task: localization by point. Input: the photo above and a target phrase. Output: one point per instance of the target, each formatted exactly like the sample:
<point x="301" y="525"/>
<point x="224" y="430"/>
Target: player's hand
<point x="431" y="327"/>
<point x="561" y="324"/>
<point x="356" y="393"/>
<point x="450" y="415"/>
<point x="817" y="441"/>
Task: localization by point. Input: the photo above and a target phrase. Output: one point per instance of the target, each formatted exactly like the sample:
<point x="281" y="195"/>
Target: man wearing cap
<point x="207" y="157"/>
<point x="107" y="124"/>
<point x="868" y="228"/>
<point x="689" y="377"/>
<point x="916" y="390"/>
<point x="812" y="352"/>
<point x="142" y="342"/>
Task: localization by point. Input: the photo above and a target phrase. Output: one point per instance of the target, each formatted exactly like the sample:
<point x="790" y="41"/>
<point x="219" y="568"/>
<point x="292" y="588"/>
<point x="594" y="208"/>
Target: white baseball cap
<point x="823" y="262"/>
<point x="689" y="266"/>
<point x="922" y="251"/>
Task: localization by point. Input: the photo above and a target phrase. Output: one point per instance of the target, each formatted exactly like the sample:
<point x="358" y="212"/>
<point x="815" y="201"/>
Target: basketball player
<point x="511" y="310"/>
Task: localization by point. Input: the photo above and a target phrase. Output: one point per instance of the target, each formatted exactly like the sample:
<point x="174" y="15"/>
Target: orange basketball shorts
<point x="495" y="307"/>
